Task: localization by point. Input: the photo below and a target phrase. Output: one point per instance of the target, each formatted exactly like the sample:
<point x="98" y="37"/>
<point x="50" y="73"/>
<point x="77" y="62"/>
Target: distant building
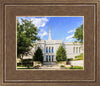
<point x="49" y="48"/>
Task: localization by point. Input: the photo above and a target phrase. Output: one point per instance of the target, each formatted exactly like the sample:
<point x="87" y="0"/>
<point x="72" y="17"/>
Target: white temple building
<point x="49" y="48"/>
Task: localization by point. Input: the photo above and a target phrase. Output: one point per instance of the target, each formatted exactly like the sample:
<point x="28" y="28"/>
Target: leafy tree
<point x="26" y="36"/>
<point x="61" y="54"/>
<point x="78" y="35"/>
<point x="38" y="55"/>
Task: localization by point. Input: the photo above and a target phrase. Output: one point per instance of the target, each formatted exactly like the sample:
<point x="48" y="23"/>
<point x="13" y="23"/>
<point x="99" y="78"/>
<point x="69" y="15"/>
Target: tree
<point x="61" y="54"/>
<point x="78" y="35"/>
<point x="26" y="36"/>
<point x="38" y="55"/>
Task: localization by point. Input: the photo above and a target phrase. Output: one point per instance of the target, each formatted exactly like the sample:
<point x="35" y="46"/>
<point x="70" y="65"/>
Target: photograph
<point x="50" y="42"/>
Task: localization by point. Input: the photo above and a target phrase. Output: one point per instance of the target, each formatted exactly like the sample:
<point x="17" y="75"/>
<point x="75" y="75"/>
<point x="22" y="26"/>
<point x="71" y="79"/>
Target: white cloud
<point x="42" y="33"/>
<point x="39" y="22"/>
<point x="70" y="31"/>
<point x="69" y="38"/>
<point x="20" y="21"/>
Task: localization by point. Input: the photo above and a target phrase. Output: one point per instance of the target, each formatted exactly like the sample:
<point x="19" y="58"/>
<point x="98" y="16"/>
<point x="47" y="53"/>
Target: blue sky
<point x="62" y="28"/>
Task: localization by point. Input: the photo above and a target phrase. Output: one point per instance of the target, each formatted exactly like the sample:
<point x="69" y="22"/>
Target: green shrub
<point x="69" y="59"/>
<point x="62" y="65"/>
<point x="81" y="58"/>
<point x="78" y="56"/>
<point x="18" y="64"/>
<point x="26" y="63"/>
<point x="24" y="60"/>
<point x="75" y="67"/>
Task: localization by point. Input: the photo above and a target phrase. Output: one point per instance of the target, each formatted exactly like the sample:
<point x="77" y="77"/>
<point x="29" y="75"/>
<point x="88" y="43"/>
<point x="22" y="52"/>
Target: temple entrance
<point x="49" y="58"/>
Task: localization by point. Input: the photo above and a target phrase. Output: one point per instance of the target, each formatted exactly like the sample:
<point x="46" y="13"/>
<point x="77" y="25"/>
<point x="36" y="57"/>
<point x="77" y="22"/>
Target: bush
<point x="26" y="63"/>
<point x="81" y="58"/>
<point x="69" y="59"/>
<point x="27" y="60"/>
<point x="75" y="67"/>
<point x="18" y="64"/>
<point x="62" y="65"/>
<point x="78" y="56"/>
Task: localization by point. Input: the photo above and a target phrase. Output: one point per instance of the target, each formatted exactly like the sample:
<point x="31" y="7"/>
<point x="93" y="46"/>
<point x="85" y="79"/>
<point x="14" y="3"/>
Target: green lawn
<point x="75" y="67"/>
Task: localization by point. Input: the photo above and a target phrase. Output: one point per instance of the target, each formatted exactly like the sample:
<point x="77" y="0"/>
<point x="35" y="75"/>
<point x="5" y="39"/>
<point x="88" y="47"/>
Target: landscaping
<point x="75" y="67"/>
<point x="78" y="57"/>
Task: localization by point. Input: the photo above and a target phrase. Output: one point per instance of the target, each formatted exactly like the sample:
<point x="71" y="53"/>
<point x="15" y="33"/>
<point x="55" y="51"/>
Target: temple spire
<point x="49" y="33"/>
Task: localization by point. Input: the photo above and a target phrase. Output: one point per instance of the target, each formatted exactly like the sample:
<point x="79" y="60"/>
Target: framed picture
<point x="39" y="48"/>
<point x="50" y="43"/>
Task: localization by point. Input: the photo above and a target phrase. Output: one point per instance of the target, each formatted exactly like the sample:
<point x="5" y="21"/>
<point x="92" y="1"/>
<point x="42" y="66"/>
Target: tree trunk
<point x="21" y="60"/>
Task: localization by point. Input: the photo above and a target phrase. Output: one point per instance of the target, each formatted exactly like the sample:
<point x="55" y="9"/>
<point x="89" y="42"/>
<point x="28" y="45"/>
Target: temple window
<point x="46" y="50"/>
<point x="49" y="50"/>
<point x="47" y="58"/>
<point x="52" y="50"/>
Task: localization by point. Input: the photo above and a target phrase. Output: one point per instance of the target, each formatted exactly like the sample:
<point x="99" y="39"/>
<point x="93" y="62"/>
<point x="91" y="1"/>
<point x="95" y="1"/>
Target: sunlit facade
<point x="49" y="48"/>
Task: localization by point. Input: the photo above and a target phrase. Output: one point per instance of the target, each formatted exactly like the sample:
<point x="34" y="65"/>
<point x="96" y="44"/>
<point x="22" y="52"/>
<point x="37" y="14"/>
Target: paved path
<point x="51" y="67"/>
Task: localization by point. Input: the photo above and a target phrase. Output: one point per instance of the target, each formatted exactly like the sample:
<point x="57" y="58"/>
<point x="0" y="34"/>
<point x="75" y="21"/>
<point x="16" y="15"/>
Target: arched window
<point x="52" y="50"/>
<point x="46" y="49"/>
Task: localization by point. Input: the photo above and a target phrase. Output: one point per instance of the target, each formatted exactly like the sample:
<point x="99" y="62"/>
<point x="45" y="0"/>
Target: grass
<point x="75" y="67"/>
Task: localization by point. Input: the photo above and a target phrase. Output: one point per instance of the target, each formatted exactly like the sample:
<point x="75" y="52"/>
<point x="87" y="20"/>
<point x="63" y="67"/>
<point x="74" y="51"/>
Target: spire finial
<point x="49" y="27"/>
<point x="49" y="33"/>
